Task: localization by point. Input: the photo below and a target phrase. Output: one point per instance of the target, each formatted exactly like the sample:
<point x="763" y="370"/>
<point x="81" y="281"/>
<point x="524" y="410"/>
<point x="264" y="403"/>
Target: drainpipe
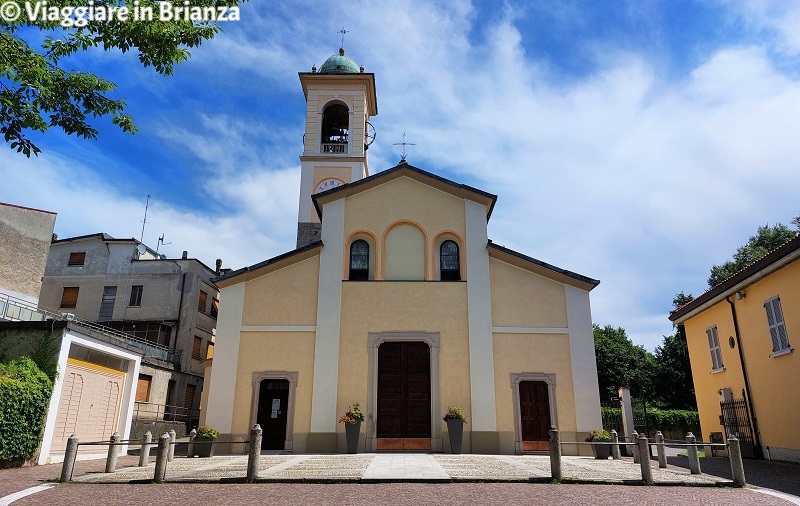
<point x="756" y="434"/>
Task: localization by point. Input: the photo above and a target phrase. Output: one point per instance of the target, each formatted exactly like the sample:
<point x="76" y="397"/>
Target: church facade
<point x="396" y="299"/>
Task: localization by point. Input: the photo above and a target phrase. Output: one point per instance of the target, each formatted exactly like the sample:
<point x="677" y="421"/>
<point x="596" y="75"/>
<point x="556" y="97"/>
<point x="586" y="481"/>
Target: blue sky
<point x="634" y="142"/>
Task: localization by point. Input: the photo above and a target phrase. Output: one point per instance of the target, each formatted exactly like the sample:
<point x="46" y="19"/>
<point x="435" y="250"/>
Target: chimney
<point x="185" y="255"/>
<point x="219" y="265"/>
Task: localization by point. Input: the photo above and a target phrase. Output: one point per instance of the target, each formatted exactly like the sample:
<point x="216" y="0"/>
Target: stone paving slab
<point x="403" y="467"/>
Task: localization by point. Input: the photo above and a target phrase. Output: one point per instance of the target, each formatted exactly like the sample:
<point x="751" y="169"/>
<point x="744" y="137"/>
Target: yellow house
<point x="395" y="299"/>
<point x="746" y="374"/>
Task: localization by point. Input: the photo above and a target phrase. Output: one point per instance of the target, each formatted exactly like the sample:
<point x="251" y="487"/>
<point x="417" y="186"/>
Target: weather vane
<point x="343" y="31"/>
<point x="404" y="144"/>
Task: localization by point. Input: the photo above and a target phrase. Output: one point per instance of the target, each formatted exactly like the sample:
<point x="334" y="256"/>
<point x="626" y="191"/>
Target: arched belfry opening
<point x="335" y="128"/>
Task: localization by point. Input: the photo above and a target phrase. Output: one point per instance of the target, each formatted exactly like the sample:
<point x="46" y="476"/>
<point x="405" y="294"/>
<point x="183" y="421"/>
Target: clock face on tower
<point x="328" y="184"/>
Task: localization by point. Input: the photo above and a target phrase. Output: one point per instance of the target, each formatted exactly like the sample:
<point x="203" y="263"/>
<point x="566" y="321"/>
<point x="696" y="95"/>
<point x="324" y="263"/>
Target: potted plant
<point x="352" y="425"/>
<point x="601" y="451"/>
<point x="204" y="440"/>
<point x="455" y="419"/>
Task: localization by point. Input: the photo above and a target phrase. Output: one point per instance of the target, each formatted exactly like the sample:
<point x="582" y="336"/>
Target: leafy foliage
<point x="665" y="420"/>
<point x="38" y="90"/>
<point x="24" y="396"/>
<point x="621" y="363"/>
<point x="45" y="354"/>
<point x="766" y="239"/>
<point x="599" y="435"/>
<point x="352" y="415"/>
<point x="455" y="413"/>
<point x="206" y="433"/>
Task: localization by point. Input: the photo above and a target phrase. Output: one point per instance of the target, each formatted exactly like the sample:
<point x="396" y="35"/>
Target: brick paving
<point x="400" y="494"/>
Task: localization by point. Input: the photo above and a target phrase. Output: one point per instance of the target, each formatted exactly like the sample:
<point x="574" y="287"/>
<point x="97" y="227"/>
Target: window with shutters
<point x="777" y="327"/>
<point x="143" y="388"/>
<point x="188" y="400"/>
<point x="214" y="308"/>
<point x="201" y="303"/>
<point x="69" y="297"/>
<point x="716" y="351"/>
<point x="196" y="347"/>
<point x="136" y="295"/>
<point x="210" y="351"/>
<point x="107" y="305"/>
<point x="76" y="259"/>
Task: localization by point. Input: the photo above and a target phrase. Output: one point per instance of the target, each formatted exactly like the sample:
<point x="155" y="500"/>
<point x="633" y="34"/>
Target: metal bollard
<point x="190" y="448"/>
<point x="555" y="454"/>
<point x="694" y="459"/>
<point x="635" y="448"/>
<point x="161" y="458"/>
<point x="644" y="461"/>
<point x="662" y="453"/>
<point x="172" y="437"/>
<point x="255" y="453"/>
<point x="69" y="459"/>
<point x="144" y="454"/>
<point x="615" y="445"/>
<point x="113" y="453"/>
<point x="737" y="467"/>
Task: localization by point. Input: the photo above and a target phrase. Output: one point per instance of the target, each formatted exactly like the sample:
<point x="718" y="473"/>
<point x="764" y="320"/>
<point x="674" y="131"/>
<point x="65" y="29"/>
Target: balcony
<point x="20" y="310"/>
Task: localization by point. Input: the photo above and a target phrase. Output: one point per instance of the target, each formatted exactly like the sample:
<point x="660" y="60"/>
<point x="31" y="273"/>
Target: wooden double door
<point x="404" y="396"/>
<point x="534" y="410"/>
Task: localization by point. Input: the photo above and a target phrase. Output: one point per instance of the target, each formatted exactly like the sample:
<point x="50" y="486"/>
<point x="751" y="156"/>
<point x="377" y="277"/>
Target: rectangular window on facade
<point x="209" y="350"/>
<point x="143" y="388"/>
<point x="136" y="295"/>
<point x="107" y="305"/>
<point x="77" y="258"/>
<point x="201" y="303"/>
<point x="713" y="344"/>
<point x="198" y="345"/>
<point x="214" y="308"/>
<point x="69" y="297"/>
<point x="777" y="327"/>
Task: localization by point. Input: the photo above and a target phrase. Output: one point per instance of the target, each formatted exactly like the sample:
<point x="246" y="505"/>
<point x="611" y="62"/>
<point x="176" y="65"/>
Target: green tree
<point x="766" y="239"/>
<point x="38" y="90"/>
<point x="673" y="385"/>
<point x="621" y="363"/>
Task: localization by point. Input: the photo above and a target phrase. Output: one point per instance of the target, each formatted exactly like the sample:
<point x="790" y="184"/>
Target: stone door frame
<point x="291" y="377"/>
<point x="516" y="379"/>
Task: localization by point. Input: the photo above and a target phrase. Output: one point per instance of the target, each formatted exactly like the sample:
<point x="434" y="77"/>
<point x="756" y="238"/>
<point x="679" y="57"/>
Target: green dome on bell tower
<point x="339" y="64"/>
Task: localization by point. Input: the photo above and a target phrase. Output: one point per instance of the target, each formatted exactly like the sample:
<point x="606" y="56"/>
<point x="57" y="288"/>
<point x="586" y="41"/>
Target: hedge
<point x="665" y="420"/>
<point x="24" y="396"/>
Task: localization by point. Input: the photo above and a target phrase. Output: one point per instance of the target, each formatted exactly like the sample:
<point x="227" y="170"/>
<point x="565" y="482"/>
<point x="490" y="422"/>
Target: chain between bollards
<point x="161" y="458"/>
<point x="113" y="453"/>
<point x="555" y="454"/>
<point x="144" y="454"/>
<point x="69" y="459"/>
<point x="254" y="454"/>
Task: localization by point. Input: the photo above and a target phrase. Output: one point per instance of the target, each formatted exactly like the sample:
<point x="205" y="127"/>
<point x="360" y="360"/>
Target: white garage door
<point x="89" y="405"/>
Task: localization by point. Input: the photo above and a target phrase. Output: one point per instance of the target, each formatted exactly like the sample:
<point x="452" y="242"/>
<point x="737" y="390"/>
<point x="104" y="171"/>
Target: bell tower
<point x="340" y="100"/>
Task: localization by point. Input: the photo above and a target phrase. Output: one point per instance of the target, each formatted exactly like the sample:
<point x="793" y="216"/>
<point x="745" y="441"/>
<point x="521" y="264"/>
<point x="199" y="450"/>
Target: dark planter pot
<point x="352" y="430"/>
<point x="204" y="448"/>
<point x="455" y="429"/>
<point x="601" y="452"/>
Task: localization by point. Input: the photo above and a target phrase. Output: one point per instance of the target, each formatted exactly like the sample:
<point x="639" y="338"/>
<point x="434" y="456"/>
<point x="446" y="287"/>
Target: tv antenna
<point x="150" y="201"/>
<point x="161" y="242"/>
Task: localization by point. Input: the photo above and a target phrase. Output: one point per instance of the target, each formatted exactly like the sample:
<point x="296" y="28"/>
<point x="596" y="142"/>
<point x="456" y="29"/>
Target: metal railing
<point x="334" y="147"/>
<point x="15" y="309"/>
<point x="153" y="411"/>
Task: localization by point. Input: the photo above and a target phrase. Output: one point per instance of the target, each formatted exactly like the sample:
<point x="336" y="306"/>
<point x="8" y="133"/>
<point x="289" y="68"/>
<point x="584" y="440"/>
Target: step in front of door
<point x="401" y="443"/>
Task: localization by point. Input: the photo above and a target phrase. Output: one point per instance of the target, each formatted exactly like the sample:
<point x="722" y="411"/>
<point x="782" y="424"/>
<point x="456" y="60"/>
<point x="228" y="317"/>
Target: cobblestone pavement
<point x="400" y="494"/>
<point x="781" y="476"/>
<point x="407" y="467"/>
<point x="13" y="480"/>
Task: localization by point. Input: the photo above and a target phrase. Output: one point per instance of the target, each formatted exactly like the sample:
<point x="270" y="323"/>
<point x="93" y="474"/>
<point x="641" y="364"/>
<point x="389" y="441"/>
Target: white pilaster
<point x="479" y="307"/>
<point x="219" y="411"/>
<point x="584" y="367"/>
<point x="329" y="308"/>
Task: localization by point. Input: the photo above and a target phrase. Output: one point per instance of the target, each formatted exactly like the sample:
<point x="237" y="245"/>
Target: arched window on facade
<point x="335" y="129"/>
<point x="449" y="261"/>
<point x="359" y="260"/>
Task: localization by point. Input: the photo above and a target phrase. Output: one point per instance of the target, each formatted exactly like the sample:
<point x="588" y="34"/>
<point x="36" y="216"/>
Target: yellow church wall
<point x="285" y="297"/>
<point x="769" y="377"/>
<point x="433" y="211"/>
<point x="275" y="351"/>
<point x="340" y="173"/>
<point x="533" y="353"/>
<point x="513" y="291"/>
<point x="404" y="306"/>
